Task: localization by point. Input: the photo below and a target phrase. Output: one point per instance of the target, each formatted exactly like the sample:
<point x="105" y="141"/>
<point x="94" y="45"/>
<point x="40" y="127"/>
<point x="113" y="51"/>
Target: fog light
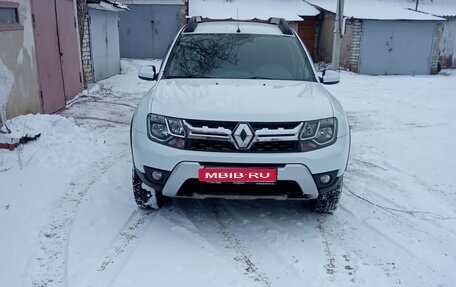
<point x="177" y="143"/>
<point x="157" y="175"/>
<point x="325" y="179"/>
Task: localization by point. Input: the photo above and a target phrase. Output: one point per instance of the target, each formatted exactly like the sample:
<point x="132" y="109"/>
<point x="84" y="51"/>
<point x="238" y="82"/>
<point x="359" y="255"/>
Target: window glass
<point x="8" y="16"/>
<point x="239" y="56"/>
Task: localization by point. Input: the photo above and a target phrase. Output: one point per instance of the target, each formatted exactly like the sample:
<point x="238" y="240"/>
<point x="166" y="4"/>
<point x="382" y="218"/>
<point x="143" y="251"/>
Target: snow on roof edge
<point x="118" y="5"/>
<point x="103" y="7"/>
<point x="249" y="10"/>
<point x="108" y="5"/>
<point x="437" y="13"/>
<point x="374" y="11"/>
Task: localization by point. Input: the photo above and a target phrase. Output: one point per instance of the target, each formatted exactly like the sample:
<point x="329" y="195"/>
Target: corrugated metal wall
<point x="396" y="47"/>
<point x="104" y="39"/>
<point x="146" y="30"/>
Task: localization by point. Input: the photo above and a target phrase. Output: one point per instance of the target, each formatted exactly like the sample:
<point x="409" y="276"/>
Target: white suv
<point x="238" y="111"/>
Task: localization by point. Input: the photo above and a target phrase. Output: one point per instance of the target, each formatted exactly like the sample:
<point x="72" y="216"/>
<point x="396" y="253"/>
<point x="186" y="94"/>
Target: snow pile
<point x="128" y="82"/>
<point x="62" y="141"/>
<point x="34" y="176"/>
<point x="43" y="182"/>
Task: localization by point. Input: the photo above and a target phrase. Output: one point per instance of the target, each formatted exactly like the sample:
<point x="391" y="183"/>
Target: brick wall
<point x="350" y="43"/>
<point x="87" y="67"/>
<point x="355" y="44"/>
<point x="84" y="37"/>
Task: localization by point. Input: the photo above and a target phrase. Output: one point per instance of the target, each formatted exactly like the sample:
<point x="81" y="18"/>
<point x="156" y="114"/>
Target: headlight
<point x="167" y="131"/>
<point x="318" y="134"/>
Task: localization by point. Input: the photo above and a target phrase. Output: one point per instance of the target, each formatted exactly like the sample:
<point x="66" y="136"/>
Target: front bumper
<point x="290" y="172"/>
<point x="183" y="165"/>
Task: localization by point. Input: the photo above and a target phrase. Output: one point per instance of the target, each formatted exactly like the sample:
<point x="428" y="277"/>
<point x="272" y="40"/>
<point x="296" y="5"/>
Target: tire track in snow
<point x="222" y="216"/>
<point x="307" y="243"/>
<point x="207" y="217"/>
<point x="235" y="244"/>
<point x="287" y="262"/>
<point x="418" y="214"/>
<point x="358" y="254"/>
<point x="48" y="267"/>
<point x="116" y="255"/>
<point x="332" y="257"/>
<point x="330" y="267"/>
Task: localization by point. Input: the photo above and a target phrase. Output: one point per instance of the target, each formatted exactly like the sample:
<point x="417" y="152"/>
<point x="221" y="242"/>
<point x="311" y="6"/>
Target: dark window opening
<point x="9" y="16"/>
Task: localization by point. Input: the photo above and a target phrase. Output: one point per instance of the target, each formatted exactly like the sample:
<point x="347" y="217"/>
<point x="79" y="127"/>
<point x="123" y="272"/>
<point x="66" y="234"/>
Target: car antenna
<point x="237" y="14"/>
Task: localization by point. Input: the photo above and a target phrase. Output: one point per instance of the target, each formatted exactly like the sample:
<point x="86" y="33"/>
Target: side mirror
<point x="148" y="73"/>
<point x="329" y="77"/>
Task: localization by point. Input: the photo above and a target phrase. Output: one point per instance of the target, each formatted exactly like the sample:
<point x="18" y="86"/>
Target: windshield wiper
<point x="262" y="78"/>
<point x="188" y="77"/>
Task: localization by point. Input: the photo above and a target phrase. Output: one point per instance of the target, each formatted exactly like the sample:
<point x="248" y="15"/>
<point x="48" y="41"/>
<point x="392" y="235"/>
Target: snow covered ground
<point x="68" y="218"/>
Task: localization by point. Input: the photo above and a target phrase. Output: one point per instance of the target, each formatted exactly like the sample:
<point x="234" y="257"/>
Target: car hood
<point x="241" y="100"/>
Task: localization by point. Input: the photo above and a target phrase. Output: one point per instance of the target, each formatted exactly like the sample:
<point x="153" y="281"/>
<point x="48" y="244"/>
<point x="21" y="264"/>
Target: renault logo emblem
<point x="243" y="135"/>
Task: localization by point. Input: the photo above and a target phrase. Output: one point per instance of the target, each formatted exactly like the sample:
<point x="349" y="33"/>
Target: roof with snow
<point x="442" y="8"/>
<point x="375" y="9"/>
<point x="108" y="5"/>
<point x="290" y="10"/>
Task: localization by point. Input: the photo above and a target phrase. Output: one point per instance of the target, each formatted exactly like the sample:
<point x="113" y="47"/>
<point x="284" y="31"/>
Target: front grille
<point x="210" y="145"/>
<point x="283" y="125"/>
<point x="231" y="125"/>
<point x="290" y="189"/>
<point x="225" y="136"/>
<point x="259" y="147"/>
<point x="245" y="165"/>
<point x="212" y="124"/>
<point x="288" y="146"/>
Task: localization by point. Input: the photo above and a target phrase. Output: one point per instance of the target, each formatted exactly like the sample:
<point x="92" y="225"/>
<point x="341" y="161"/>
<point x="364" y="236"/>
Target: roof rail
<point x="283" y="25"/>
<point x="192" y="23"/>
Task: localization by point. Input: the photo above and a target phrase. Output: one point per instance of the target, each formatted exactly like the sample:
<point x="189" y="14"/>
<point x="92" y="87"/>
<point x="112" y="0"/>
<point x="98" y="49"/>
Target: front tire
<point x="146" y="197"/>
<point x="328" y="201"/>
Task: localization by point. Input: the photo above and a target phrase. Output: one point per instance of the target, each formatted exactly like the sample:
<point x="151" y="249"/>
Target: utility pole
<point x="337" y="34"/>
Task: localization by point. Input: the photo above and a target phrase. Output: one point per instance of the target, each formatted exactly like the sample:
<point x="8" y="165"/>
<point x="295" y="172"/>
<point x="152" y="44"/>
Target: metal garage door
<point x="146" y="30"/>
<point x="104" y="39"/>
<point x="57" y="50"/>
<point x="396" y="47"/>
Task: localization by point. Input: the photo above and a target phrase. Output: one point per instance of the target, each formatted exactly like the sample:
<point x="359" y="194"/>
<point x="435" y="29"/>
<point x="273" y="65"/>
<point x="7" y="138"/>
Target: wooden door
<point x="306" y="31"/>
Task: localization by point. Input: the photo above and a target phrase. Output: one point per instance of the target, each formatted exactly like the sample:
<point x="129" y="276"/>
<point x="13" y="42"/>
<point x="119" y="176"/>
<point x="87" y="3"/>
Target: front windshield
<point x="238" y="56"/>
